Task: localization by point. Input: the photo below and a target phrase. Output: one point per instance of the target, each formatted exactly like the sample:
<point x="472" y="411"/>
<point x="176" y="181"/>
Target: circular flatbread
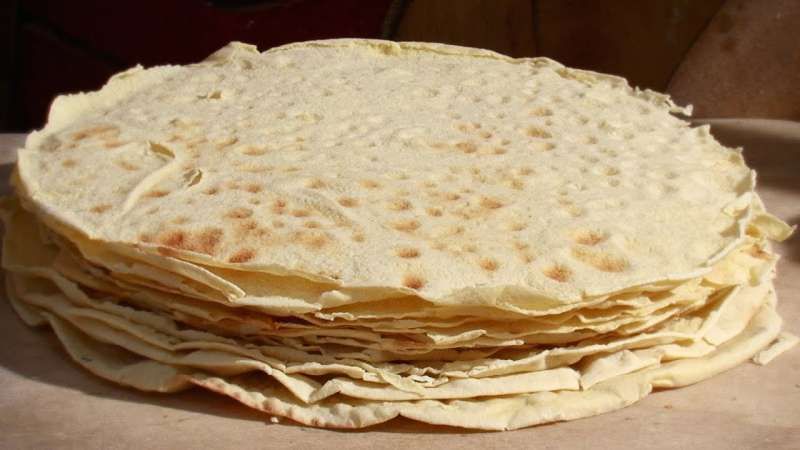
<point x="438" y="171"/>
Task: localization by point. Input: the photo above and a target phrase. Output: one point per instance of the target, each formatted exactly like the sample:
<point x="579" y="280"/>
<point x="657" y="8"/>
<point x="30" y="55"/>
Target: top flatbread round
<point x="443" y="171"/>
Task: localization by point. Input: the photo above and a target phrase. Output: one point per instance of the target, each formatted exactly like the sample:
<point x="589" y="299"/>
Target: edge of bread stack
<point x="342" y="232"/>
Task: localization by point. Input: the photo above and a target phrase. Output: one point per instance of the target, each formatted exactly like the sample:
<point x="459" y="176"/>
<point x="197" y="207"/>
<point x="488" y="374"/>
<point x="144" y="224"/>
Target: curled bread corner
<point x="664" y="99"/>
<point x="783" y="343"/>
<point x="772" y="227"/>
<point x="232" y="51"/>
<point x="589" y="78"/>
<point x="66" y="109"/>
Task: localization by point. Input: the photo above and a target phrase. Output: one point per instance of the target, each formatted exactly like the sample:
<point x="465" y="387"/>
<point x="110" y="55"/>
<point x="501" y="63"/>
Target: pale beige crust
<point x="344" y="232"/>
<point x="431" y="170"/>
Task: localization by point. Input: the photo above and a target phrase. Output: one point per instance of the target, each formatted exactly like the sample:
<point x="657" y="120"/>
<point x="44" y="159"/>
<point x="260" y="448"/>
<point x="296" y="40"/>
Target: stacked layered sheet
<point x="342" y="232"/>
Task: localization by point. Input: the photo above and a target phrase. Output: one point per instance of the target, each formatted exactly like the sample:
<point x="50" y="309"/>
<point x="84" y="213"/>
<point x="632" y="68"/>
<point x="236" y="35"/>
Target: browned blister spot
<point x="310" y="239"/>
<point x="211" y="191"/>
<point x="68" y="163"/>
<point x="301" y="212"/>
<point x="499" y="151"/>
<point x="434" y="212"/>
<point x="207" y="241"/>
<point x="96" y="131"/>
<point x="491" y="203"/>
<point x="155" y="193"/>
<point x="239" y="213"/>
<point x="227" y="142"/>
<point x="541" y="112"/>
<point x="407" y="226"/>
<point x="399" y="204"/>
<point x="537" y="132"/>
<point x="589" y="237"/>
<point x="558" y="273"/>
<point x="408" y="252"/>
<point x="413" y="281"/>
<point x="600" y="260"/>
<point x="358" y="237"/>
<point x="254" y="151"/>
<point x="544" y="146"/>
<point x="146" y="238"/>
<point x="315" y="184"/>
<point x="517" y="226"/>
<point x="517" y="184"/>
<point x="279" y="206"/>
<point x="278" y="224"/>
<point x="348" y="202"/>
<point x="128" y="166"/>
<point x="253" y="188"/>
<point x="174" y="238"/>
<point x="180" y="220"/>
<point x="467" y="147"/>
<point x="242" y="255"/>
<point x="248" y="226"/>
<point x="452" y="196"/>
<point x="312" y="224"/>
<point x="99" y="209"/>
<point x="370" y="184"/>
<point x="113" y="143"/>
<point x="489" y="264"/>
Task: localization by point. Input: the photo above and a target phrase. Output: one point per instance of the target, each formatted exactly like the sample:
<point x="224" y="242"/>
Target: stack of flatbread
<point x="343" y="232"/>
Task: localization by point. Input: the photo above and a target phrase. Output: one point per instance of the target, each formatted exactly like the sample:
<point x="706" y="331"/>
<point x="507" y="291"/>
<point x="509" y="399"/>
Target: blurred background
<point x="730" y="58"/>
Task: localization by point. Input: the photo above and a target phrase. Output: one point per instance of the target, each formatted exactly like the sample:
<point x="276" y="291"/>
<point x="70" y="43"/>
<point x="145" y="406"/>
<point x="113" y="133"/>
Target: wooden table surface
<point x="46" y="401"/>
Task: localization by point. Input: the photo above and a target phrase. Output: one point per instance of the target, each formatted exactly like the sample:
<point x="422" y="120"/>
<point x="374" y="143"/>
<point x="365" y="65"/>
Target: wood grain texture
<point x="642" y="41"/>
<point x="502" y="26"/>
<point x="746" y="64"/>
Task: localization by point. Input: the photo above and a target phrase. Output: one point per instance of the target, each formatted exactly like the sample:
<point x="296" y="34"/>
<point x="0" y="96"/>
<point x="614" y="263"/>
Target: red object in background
<point x="80" y="43"/>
